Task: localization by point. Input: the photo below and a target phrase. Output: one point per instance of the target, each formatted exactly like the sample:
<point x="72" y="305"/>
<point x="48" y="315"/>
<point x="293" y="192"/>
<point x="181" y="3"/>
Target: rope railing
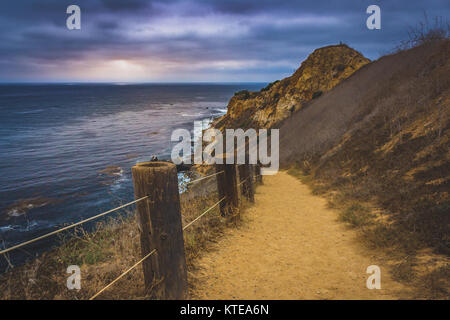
<point x="123" y="274"/>
<point x="203" y="178"/>
<point x="240" y="183"/>
<point x="70" y="226"/>
<point x="89" y="219"/>
<point x="215" y="205"/>
<point x="227" y="189"/>
<point x="152" y="252"/>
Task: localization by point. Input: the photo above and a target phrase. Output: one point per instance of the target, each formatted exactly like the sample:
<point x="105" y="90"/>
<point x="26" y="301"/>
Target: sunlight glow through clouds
<point x="153" y="69"/>
<point x="121" y="69"/>
<point x="189" y="40"/>
<point x="107" y="70"/>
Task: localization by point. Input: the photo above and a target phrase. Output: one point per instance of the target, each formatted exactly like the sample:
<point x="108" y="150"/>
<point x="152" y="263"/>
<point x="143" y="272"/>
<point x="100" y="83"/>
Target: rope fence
<point x="203" y="178"/>
<point x="70" y="226"/>
<point x="123" y="274"/>
<point x="152" y="252"/>
<point x="242" y="182"/>
<point x="157" y="216"/>
<point x="208" y="210"/>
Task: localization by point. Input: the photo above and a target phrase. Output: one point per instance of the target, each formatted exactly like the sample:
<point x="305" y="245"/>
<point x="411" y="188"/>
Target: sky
<point x="191" y="40"/>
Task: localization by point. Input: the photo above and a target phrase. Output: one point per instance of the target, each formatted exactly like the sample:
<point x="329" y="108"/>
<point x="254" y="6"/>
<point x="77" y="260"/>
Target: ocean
<point x="66" y="150"/>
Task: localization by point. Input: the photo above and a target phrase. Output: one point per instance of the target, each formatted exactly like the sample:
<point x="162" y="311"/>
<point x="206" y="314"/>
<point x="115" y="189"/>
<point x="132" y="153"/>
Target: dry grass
<point x="105" y="253"/>
<point x="356" y="215"/>
<point x="402" y="248"/>
<point x="383" y="144"/>
<point x="426" y="31"/>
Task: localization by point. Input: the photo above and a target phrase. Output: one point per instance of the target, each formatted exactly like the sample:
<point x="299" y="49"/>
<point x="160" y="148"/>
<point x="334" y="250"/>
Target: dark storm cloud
<point x="120" y="5"/>
<point x="193" y="39"/>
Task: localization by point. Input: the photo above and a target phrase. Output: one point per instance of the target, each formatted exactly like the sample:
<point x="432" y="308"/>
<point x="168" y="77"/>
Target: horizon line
<point x="130" y="82"/>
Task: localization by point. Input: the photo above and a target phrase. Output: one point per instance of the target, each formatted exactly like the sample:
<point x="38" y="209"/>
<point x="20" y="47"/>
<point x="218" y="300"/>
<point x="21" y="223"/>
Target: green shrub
<point x="270" y="85"/>
<point x="243" y="94"/>
<point x="317" y="94"/>
<point x="340" y="67"/>
<point x="356" y="215"/>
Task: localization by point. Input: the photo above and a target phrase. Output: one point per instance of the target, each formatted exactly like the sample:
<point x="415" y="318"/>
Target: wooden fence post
<point x="160" y="227"/>
<point x="227" y="187"/>
<point x="258" y="176"/>
<point x="246" y="177"/>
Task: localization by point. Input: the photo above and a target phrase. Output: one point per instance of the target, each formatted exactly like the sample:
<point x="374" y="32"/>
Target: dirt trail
<point x="290" y="246"/>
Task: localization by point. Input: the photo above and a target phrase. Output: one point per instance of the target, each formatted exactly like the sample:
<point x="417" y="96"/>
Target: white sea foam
<point x="29" y="112"/>
<point x="30" y="226"/>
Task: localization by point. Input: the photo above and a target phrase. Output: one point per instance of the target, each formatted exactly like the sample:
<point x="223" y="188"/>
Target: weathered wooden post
<point x="246" y="178"/>
<point x="160" y="227"/>
<point x="227" y="187"/>
<point x="258" y="176"/>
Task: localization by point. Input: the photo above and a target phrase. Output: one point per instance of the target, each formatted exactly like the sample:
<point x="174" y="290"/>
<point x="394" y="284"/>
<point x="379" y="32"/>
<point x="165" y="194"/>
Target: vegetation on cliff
<point x="321" y="71"/>
<point x="378" y="146"/>
<point x="103" y="254"/>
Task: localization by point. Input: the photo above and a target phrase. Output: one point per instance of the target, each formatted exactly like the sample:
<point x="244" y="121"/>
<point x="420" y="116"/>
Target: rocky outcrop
<point x="321" y="71"/>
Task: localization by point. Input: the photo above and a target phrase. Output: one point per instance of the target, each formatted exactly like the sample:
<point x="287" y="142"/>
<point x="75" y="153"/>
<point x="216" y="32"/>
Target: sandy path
<point x="291" y="246"/>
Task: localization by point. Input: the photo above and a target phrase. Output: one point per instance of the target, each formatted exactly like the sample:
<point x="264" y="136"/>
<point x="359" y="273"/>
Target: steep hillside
<point x="382" y="136"/>
<point x="395" y="87"/>
<point x="320" y="72"/>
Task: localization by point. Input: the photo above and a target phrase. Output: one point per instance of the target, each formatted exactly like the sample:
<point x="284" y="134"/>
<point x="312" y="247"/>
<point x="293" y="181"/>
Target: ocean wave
<point x="6" y="228"/>
<point x="120" y="183"/>
<point x="22" y="206"/>
<point x="110" y="174"/>
<point x="29" y="112"/>
<point x="197" y="114"/>
<point x="14" y="227"/>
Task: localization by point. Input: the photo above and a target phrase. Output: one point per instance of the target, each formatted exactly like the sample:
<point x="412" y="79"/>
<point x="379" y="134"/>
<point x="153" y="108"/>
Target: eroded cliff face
<point x="321" y="71"/>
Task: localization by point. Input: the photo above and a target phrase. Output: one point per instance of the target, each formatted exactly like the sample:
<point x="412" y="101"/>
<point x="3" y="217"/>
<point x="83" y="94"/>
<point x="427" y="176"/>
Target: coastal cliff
<point x="323" y="69"/>
<point x="377" y="147"/>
